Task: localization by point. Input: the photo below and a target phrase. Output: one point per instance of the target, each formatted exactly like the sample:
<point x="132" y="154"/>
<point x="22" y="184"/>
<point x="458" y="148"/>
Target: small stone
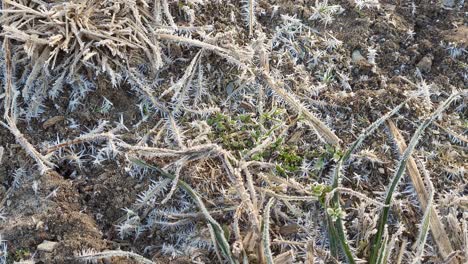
<point x="448" y="3"/>
<point x="381" y="170"/>
<point x="230" y="88"/>
<point x="360" y="60"/>
<point x="425" y="64"/>
<point x="357" y="56"/>
<point x="47" y="246"/>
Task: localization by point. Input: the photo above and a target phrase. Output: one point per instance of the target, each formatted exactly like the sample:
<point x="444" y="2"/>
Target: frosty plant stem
<point x="425" y="223"/>
<point x="337" y="227"/>
<point x="91" y="256"/>
<point x="10" y="115"/>
<point x="250" y="15"/>
<point x="401" y="168"/>
<point x="266" y="232"/>
<point x="221" y="241"/>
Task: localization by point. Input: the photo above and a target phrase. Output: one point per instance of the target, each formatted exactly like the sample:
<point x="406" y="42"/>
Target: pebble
<point x="448" y="3"/>
<point x="47" y="246"/>
<point x="230" y="88"/>
<point x="425" y="64"/>
<point x="360" y="60"/>
<point x="357" y="56"/>
<point x="382" y="170"/>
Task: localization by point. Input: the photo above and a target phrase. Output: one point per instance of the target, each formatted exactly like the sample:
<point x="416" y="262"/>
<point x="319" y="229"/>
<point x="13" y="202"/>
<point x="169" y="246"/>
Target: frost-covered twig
<point x="10" y="115"/>
<point x="436" y="226"/>
<point x="91" y="256"/>
<point x="353" y="193"/>
<point x="418" y="246"/>
<point x="266" y="232"/>
<point x="320" y="128"/>
<point x="249" y="6"/>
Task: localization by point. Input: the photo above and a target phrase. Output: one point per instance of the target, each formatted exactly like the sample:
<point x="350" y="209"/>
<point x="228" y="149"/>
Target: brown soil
<point x="89" y="202"/>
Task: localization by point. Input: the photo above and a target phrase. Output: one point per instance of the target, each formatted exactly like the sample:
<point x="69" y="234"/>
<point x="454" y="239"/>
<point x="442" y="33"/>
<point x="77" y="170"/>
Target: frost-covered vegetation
<point x="246" y="131"/>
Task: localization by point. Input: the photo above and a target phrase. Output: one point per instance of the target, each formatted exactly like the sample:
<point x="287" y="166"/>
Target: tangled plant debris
<point x="233" y="132"/>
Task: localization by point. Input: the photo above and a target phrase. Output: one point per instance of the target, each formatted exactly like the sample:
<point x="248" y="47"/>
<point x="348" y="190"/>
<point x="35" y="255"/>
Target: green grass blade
<point x="337" y="229"/>
<point x="370" y="129"/>
<point x="401" y="168"/>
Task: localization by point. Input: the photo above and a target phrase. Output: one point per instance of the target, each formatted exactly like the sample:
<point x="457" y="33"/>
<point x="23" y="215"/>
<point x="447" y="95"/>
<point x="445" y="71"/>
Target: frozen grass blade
<point x="10" y="115"/>
<point x="425" y="224"/>
<point x="333" y="237"/>
<point x="93" y="257"/>
<point x="401" y="168"/>
<point x="436" y="227"/>
<point x="266" y="232"/>
<point x="369" y="130"/>
<point x="221" y="241"/>
<point x="384" y="249"/>
<point x="455" y="137"/>
<point x="250" y="14"/>
<point x="402" y="251"/>
<point x="391" y="244"/>
<point x="336" y="229"/>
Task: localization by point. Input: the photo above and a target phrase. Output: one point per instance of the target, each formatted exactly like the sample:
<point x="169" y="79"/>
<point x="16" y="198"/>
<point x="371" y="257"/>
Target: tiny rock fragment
<point x="389" y="7"/>
<point x="381" y="170"/>
<point x="448" y="3"/>
<point x="425" y="64"/>
<point x="360" y="60"/>
<point x="52" y="121"/>
<point x="47" y="246"/>
<point x="230" y="88"/>
<point x="357" y="56"/>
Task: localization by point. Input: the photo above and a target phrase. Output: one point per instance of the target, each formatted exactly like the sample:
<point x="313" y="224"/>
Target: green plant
<point x="401" y="167"/>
